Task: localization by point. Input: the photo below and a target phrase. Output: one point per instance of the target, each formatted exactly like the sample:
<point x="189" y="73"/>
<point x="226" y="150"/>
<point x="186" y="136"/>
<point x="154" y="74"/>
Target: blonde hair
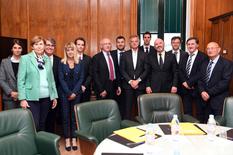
<point x="70" y="45"/>
<point x="37" y="39"/>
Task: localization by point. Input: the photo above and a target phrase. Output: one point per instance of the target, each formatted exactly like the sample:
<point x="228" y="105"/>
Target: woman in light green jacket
<point x="36" y="85"/>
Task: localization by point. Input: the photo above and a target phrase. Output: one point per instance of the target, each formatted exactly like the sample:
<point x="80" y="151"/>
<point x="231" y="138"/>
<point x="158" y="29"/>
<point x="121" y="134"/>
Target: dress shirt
<point x="135" y="57"/>
<point x="213" y="65"/>
<point x="192" y="61"/>
<point x="177" y="54"/>
<point x="119" y="56"/>
<point x="106" y="58"/>
<point x="51" y="59"/>
<point x="162" y="55"/>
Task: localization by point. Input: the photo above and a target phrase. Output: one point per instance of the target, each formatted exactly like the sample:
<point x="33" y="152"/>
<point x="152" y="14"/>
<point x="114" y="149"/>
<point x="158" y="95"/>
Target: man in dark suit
<point x="179" y="55"/>
<point x="50" y="47"/>
<point x="104" y="68"/>
<point x="86" y="64"/>
<point x="216" y="74"/>
<point x="146" y="47"/>
<point x="134" y="71"/>
<point x="189" y="75"/>
<point x="163" y="71"/>
<point x="120" y="44"/>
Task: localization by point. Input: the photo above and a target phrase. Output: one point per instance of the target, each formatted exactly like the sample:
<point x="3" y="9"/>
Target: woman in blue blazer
<point x="71" y="76"/>
<point x="36" y="85"/>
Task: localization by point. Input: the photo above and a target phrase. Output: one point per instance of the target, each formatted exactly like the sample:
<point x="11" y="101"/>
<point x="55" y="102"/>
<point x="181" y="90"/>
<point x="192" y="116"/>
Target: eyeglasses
<point x="50" y="45"/>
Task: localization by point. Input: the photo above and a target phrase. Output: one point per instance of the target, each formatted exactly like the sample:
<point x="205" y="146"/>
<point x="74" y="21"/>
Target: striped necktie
<point x="208" y="71"/>
<point x="188" y="65"/>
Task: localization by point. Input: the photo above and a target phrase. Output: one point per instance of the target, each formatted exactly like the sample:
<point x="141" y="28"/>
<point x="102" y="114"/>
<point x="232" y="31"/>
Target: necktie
<point x="188" y="65"/>
<point x="176" y="56"/>
<point x="160" y="61"/>
<point x="147" y="50"/>
<point x="111" y="67"/>
<point x="208" y="70"/>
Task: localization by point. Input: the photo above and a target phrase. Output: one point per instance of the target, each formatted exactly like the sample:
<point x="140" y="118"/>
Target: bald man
<point x="216" y="74"/>
<point x="163" y="70"/>
<point x="105" y="74"/>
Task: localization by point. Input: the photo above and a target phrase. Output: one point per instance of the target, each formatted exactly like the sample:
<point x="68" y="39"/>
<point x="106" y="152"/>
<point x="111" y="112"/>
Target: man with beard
<point x="163" y="71"/>
<point x="120" y="44"/>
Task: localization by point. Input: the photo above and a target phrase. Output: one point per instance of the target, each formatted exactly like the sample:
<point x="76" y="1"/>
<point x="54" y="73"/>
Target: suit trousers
<point x="68" y="116"/>
<point x="130" y="101"/>
<point x="40" y="111"/>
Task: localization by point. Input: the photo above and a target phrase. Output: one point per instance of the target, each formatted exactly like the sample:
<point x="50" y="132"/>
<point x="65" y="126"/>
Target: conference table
<point x="167" y="145"/>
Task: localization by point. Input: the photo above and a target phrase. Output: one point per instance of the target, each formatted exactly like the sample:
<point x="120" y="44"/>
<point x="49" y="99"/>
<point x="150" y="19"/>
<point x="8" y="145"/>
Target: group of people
<point x="40" y="81"/>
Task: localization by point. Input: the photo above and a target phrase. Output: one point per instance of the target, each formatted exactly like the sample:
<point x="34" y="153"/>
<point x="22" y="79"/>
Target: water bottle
<point x="150" y="134"/>
<point x="175" y="127"/>
<point x="211" y="127"/>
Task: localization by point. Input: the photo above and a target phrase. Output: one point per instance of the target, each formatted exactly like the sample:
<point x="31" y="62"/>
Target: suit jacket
<point x="194" y="76"/>
<point x="56" y="61"/>
<point x="218" y="85"/>
<point x="86" y="63"/>
<point x="29" y="78"/>
<point x="64" y="74"/>
<point x="101" y="73"/>
<point x="115" y="55"/>
<point x="8" y="81"/>
<point x="152" y="49"/>
<point x="183" y="55"/>
<point x="129" y="73"/>
<point x="161" y="80"/>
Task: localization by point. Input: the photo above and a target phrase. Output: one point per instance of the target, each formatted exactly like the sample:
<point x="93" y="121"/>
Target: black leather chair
<point x="160" y="107"/>
<point x="96" y="120"/>
<point x="18" y="135"/>
<point x="227" y="116"/>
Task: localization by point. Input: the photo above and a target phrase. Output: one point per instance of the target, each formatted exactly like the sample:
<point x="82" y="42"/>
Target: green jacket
<point x="28" y="81"/>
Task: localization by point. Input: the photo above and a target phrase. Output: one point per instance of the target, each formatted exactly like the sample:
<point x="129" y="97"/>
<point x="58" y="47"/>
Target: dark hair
<point x="53" y="41"/>
<point x="80" y="38"/>
<point x="17" y="41"/>
<point x="147" y="32"/>
<point x="120" y="37"/>
<point x="176" y="37"/>
<point x="193" y="38"/>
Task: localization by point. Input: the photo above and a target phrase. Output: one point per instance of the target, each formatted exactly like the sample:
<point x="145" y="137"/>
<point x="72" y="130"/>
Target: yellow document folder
<point x="132" y="133"/>
<point x="190" y="129"/>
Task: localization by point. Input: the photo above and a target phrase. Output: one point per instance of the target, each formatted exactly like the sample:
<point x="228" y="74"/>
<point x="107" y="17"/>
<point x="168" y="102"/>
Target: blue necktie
<point x="208" y="71"/>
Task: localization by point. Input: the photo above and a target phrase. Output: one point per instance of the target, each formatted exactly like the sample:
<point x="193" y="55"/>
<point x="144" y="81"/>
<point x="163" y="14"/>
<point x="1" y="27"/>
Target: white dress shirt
<point x="192" y="61"/>
<point x="106" y="58"/>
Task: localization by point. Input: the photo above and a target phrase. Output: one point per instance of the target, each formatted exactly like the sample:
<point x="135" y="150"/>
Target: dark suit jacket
<point x="195" y="71"/>
<point x="56" y="61"/>
<point x="161" y="80"/>
<point x="64" y="73"/>
<point x="129" y="73"/>
<point x="152" y="49"/>
<point x="101" y="74"/>
<point x="183" y="55"/>
<point x="218" y="85"/>
<point x="86" y="63"/>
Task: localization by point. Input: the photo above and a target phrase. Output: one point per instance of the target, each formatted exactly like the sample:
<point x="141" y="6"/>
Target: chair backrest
<point x="228" y="111"/>
<point x="159" y="107"/>
<point x="17" y="133"/>
<point x="99" y="118"/>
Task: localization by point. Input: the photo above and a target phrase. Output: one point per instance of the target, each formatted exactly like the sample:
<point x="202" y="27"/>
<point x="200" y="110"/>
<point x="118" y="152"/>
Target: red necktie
<point x="111" y="67"/>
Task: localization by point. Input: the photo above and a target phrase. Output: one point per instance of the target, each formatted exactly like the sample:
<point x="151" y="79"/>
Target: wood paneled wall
<point x="201" y="11"/>
<point x="67" y="19"/>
